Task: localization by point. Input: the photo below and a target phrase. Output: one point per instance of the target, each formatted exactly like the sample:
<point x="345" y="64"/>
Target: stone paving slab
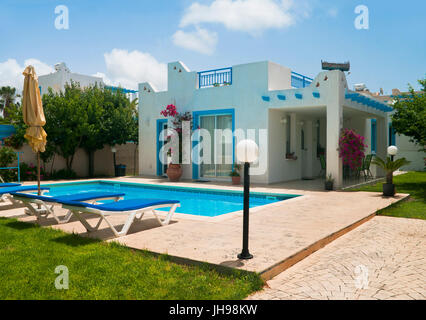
<point x="383" y="259"/>
<point x="277" y="232"/>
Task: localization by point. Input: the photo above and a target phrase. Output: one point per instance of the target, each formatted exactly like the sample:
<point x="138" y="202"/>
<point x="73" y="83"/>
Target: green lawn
<point x="29" y="255"/>
<point x="413" y="183"/>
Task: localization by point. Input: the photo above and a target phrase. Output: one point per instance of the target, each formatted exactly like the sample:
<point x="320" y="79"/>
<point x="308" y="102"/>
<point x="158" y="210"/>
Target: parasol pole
<point x="38" y="173"/>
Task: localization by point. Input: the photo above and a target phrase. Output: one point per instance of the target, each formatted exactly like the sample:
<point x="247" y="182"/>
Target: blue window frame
<point x="392" y="135"/>
<point x="373" y="135"/>
<point x="196" y="123"/>
<point x="160" y="126"/>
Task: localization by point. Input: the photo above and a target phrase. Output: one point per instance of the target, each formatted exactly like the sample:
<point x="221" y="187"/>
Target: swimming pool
<point x="195" y="201"/>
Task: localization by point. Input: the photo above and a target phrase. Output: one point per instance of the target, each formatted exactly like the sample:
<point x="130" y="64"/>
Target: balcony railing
<point x="215" y="78"/>
<point x="300" y="81"/>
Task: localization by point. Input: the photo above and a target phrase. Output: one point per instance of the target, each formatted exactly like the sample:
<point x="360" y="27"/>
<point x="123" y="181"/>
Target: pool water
<point x="195" y="201"/>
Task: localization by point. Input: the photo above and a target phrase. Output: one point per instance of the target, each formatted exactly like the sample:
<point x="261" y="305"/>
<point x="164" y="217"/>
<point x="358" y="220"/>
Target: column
<point x="335" y="99"/>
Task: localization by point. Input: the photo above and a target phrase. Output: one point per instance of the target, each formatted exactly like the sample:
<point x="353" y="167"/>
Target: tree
<point x="94" y="129"/>
<point x="111" y="120"/>
<point x="87" y="118"/>
<point x="410" y="116"/>
<point x="120" y="118"/>
<point x="7" y="98"/>
<point x="66" y="121"/>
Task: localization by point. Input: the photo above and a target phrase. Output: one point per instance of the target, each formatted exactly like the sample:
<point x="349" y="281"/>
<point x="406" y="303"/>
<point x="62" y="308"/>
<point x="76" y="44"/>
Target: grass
<point x="413" y="183"/>
<point x="29" y="255"/>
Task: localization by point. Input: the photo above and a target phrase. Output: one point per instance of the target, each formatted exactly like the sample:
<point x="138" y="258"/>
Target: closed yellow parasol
<point x="32" y="109"/>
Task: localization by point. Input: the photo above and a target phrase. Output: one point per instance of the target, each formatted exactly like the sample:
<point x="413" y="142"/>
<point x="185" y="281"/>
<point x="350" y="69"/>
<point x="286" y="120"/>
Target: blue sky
<point x="130" y="41"/>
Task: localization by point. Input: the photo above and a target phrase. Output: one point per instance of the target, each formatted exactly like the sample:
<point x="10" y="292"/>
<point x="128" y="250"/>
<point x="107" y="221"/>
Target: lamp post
<point x="247" y="152"/>
<point x="392" y="151"/>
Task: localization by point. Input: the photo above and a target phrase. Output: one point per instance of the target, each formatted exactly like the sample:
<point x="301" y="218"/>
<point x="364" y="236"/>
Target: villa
<point x="303" y="118"/>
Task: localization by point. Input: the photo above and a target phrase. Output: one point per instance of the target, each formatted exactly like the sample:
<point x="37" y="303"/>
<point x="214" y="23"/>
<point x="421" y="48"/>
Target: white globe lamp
<point x="247" y="151"/>
<point x="392" y="150"/>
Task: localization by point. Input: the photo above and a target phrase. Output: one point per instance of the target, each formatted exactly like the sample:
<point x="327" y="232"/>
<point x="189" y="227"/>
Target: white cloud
<point x="128" y="69"/>
<point x="201" y="40"/>
<point x="253" y="16"/>
<point x="11" y="71"/>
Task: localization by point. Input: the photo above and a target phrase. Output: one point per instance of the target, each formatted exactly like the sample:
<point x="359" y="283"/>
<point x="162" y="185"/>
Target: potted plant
<point x="235" y="175"/>
<point x="389" y="166"/>
<point x="329" y="183"/>
<point x="291" y="156"/>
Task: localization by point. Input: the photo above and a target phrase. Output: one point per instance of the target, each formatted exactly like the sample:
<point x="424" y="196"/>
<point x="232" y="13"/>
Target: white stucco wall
<point x="250" y="81"/>
<point x="256" y="97"/>
<point x="410" y="151"/>
<point x="63" y="76"/>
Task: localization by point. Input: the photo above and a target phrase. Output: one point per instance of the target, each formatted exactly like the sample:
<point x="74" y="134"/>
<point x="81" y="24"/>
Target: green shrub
<point x="7" y="156"/>
<point x="64" y="174"/>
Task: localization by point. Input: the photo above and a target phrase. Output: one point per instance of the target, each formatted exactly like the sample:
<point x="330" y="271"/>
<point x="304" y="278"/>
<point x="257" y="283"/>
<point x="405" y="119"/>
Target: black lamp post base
<point x="245" y="256"/>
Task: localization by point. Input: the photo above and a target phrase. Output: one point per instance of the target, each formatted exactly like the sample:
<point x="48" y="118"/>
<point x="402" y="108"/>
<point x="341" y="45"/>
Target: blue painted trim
<point x="392" y="135"/>
<point x="359" y="98"/>
<point x="160" y="123"/>
<point x="266" y="98"/>
<point x="209" y="78"/>
<point x="114" y="89"/>
<point x="299" y="81"/>
<point x="196" y="123"/>
<point x="316" y="94"/>
<point x="281" y="97"/>
<point x="298" y="96"/>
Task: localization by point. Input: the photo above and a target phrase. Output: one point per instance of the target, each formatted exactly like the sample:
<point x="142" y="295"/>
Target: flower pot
<point x="236" y="180"/>
<point x="388" y="190"/>
<point x="328" y="185"/>
<point x="174" y="172"/>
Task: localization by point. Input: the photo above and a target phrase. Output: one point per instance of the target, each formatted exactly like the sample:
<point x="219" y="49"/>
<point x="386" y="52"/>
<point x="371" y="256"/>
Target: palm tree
<point x="390" y="166"/>
<point x="7" y="97"/>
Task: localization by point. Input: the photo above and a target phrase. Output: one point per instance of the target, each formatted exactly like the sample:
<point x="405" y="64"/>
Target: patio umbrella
<point x="32" y="109"/>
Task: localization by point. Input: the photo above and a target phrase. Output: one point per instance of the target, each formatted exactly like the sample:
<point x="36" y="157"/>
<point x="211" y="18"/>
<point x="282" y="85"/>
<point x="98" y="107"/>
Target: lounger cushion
<point x="124" y="205"/>
<point x="9" y="185"/>
<point x="20" y="189"/>
<point x="73" y="197"/>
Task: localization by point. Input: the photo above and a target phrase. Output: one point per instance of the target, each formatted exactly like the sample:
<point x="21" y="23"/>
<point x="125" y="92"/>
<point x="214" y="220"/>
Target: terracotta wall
<point x="103" y="160"/>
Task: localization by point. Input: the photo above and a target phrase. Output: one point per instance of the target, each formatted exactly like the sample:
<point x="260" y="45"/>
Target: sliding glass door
<point x="221" y="151"/>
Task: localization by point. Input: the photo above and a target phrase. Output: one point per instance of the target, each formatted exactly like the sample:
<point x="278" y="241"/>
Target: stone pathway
<point x="383" y="259"/>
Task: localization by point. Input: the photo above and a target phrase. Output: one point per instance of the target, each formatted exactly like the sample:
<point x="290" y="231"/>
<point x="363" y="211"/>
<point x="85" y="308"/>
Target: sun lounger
<point x="133" y="208"/>
<point x="9" y="185"/>
<point x="43" y="206"/>
<point x="5" y="193"/>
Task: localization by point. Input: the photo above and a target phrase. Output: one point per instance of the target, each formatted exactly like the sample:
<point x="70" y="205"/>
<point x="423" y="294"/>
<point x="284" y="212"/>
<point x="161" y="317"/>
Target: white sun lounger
<point x="133" y="208"/>
<point x="43" y="206"/>
<point x="5" y="192"/>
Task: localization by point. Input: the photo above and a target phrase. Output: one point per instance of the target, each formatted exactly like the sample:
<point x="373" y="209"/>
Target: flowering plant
<point x="351" y="148"/>
<point x="177" y="121"/>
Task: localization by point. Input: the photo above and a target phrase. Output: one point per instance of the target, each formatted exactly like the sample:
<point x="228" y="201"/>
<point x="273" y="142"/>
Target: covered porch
<point x="305" y="126"/>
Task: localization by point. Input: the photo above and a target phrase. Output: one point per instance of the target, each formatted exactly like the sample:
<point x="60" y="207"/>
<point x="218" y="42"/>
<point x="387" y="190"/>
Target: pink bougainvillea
<point x="170" y="111"/>
<point x="177" y="121"/>
<point x="351" y="148"/>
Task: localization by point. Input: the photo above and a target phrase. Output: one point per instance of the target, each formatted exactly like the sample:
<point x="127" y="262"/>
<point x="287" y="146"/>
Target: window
<point x="373" y="135"/>
<point x="219" y="167"/>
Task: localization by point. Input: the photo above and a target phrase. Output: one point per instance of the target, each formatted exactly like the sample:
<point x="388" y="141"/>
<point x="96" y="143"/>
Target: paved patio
<point x="389" y="254"/>
<point x="281" y="234"/>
